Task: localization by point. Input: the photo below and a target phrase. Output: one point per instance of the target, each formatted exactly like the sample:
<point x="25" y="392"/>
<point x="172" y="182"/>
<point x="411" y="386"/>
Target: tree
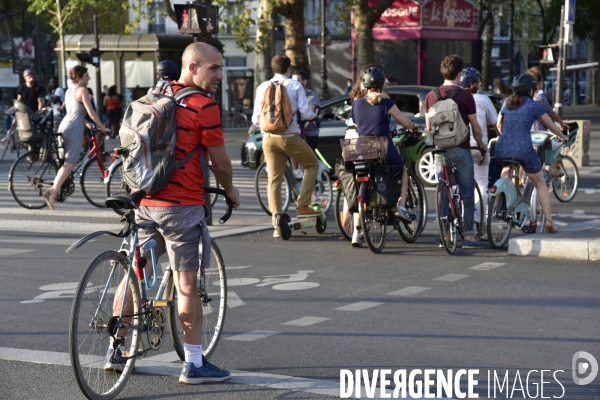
<point x="365" y="17"/>
<point x="587" y="26"/>
<point x="295" y="44"/>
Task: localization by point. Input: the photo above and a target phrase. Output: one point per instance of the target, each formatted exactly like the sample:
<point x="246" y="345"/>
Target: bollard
<point x="579" y="151"/>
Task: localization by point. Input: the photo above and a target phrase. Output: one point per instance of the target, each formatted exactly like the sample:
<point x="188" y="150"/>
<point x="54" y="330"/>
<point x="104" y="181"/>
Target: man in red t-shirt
<point x="179" y="209"/>
<point x="451" y="69"/>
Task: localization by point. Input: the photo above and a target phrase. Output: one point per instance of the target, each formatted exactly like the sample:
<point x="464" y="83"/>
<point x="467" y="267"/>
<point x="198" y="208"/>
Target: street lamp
<point x="512" y="43"/>
<point x="324" y="38"/>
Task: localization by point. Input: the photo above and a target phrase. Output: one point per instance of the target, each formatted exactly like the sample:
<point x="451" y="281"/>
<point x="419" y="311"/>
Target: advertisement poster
<point x="23" y="54"/>
<point x="241" y="96"/>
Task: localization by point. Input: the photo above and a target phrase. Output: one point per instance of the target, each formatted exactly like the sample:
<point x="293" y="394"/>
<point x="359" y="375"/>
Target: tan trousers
<point x="277" y="150"/>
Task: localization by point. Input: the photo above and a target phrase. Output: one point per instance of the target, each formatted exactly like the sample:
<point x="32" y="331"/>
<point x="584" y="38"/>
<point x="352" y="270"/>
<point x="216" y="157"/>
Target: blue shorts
<point x="528" y="157"/>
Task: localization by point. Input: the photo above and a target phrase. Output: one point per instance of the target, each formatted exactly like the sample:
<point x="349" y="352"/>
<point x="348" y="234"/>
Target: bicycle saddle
<point x="510" y="161"/>
<point x="128" y="202"/>
<point x="438" y="150"/>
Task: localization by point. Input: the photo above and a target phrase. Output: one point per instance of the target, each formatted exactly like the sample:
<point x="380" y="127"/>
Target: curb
<point x="568" y="244"/>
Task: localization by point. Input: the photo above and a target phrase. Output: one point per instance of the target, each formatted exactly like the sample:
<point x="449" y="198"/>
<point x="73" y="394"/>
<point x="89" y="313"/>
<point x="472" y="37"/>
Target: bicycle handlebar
<point x="482" y="152"/>
<point x="228" y="206"/>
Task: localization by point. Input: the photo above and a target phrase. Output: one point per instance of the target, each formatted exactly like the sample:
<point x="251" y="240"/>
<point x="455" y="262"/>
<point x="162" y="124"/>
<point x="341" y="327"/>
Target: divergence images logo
<point x="582" y="361"/>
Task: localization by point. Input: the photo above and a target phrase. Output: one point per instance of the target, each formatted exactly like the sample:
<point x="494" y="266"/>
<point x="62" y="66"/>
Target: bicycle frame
<point x="518" y="207"/>
<point x="93" y="153"/>
<point x="445" y="181"/>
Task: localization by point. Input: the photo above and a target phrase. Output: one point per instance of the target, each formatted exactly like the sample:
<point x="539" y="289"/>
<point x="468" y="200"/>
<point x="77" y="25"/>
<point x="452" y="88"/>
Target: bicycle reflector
<point x="493" y="189"/>
<point x="336" y="184"/>
<point x="363" y="178"/>
<point x="359" y="198"/>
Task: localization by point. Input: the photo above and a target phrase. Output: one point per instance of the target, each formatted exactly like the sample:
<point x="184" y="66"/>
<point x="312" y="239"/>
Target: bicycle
<point x="511" y="205"/>
<point x="10" y="141"/>
<point x="34" y="172"/>
<point x="236" y="119"/>
<point x="450" y="206"/>
<point x="100" y="295"/>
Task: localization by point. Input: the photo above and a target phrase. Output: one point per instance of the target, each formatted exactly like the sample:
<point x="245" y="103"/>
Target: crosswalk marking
<point x="306" y="321"/>
<point x="407" y="291"/>
<point x="486" y="266"/>
<point x="451" y="277"/>
<point x="252" y="336"/>
<point x="12" y="252"/>
<point x="359" y="306"/>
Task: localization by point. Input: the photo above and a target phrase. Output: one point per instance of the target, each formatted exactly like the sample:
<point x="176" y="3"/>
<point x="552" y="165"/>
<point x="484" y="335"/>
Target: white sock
<point x="193" y="354"/>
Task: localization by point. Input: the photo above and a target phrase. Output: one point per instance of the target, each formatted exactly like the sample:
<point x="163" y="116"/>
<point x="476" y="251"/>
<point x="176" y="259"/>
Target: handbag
<point x="345" y="173"/>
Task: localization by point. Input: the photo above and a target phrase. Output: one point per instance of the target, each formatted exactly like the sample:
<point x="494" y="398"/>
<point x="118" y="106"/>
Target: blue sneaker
<point x="475" y="244"/>
<point x="119" y="362"/>
<point x="192" y="375"/>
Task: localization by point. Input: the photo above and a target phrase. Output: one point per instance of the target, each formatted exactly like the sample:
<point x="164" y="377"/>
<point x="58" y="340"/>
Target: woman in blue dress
<point x="371" y="115"/>
<point x="514" y="124"/>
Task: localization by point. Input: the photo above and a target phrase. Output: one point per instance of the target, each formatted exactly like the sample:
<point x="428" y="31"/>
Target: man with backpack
<point x="178" y="208"/>
<point x="453" y="134"/>
<point x="275" y="106"/>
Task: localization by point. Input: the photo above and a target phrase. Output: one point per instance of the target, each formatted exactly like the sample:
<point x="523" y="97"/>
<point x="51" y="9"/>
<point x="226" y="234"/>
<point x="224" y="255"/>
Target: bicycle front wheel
<point x="479" y="216"/>
<point x="448" y="234"/>
<point x="538" y="218"/>
<point x="213" y="183"/>
<point x="373" y="218"/>
<point x="343" y="219"/>
<point x="28" y="179"/>
<point x="98" y="297"/>
<point x="116" y="185"/>
<point x="92" y="184"/>
<point x="213" y="282"/>
<point x="324" y="192"/>
<point x="565" y="187"/>
<point x="7" y="142"/>
<point x="498" y="224"/>
<point x="416" y="205"/>
<point x="261" y="184"/>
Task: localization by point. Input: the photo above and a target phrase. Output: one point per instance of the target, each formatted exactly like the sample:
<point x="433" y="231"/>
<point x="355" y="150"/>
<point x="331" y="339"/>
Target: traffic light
<point x="548" y="54"/>
<point x="196" y="18"/>
<point x="93" y="57"/>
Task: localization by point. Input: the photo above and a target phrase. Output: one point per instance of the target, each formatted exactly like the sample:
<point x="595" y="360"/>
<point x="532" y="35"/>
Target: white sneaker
<point x="357" y="239"/>
<point x="298" y="173"/>
<point x="276" y="233"/>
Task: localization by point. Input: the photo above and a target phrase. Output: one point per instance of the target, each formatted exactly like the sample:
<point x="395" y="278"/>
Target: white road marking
<point x="580" y="212"/>
<point x="451" y="277"/>
<point x="251" y="336"/>
<point x="359" y="306"/>
<point x="162" y="365"/>
<point x="306" y="321"/>
<point x="233" y="300"/>
<point x="407" y="291"/>
<point x="37" y="240"/>
<point x="560" y="223"/>
<point x="238" y="281"/>
<point x="61" y="286"/>
<point x="296" y="286"/>
<point x="486" y="266"/>
<point x="12" y="252"/>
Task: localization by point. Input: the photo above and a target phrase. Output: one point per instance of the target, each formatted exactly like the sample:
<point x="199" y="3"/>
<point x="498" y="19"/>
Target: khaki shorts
<point x="179" y="232"/>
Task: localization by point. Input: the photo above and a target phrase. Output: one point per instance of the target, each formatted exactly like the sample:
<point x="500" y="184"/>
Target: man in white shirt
<point x="279" y="147"/>
<point x="486" y="114"/>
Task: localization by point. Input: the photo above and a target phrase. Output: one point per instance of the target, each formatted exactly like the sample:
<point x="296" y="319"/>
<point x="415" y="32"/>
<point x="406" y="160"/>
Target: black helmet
<point x="167" y="70"/>
<point x="373" y="77"/>
<point x="469" y="75"/>
<point x="523" y="82"/>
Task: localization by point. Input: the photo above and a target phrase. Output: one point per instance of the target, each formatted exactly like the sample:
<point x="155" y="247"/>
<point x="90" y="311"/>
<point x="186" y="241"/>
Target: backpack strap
<point x="438" y="95"/>
<point x="189" y="155"/>
<point x="185" y="92"/>
<point x="455" y="92"/>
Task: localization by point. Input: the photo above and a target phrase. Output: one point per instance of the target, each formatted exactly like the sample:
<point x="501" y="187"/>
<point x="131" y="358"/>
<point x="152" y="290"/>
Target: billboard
<point x="450" y="14"/>
<point x="23" y="54"/>
<point x="402" y="14"/>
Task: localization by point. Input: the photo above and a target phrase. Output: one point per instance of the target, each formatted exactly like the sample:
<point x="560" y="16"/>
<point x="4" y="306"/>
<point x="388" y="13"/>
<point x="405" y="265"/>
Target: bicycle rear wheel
<point x="373" y="218"/>
<point x="324" y="192"/>
<point x="538" y="218"/>
<point x="116" y="185"/>
<point x="340" y="212"/>
<point x="416" y="205"/>
<point x="98" y="296"/>
<point x="448" y="231"/>
<point x="479" y="217"/>
<point x="29" y="179"/>
<point x="261" y="183"/>
<point x="214" y="281"/>
<point x="498" y="226"/>
<point x="92" y="183"/>
<point x="565" y="187"/>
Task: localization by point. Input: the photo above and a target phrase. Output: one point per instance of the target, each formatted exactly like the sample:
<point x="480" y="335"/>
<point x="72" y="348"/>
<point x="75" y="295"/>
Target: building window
<point x="235" y="61"/>
<point x="156" y="18"/>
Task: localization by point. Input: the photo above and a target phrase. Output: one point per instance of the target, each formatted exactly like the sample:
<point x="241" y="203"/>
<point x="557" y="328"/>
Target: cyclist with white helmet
<point x="486" y="114"/>
<point x="514" y="124"/>
<point x="371" y="114"/>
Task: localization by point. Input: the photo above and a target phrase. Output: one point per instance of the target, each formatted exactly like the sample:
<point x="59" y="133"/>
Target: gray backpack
<point x="448" y="127"/>
<point x="148" y="139"/>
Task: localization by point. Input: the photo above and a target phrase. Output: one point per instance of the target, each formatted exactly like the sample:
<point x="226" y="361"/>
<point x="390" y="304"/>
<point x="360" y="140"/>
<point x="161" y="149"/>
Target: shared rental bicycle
<point x="112" y="318"/>
<point x="10" y="141"/>
<point x="450" y="206"/>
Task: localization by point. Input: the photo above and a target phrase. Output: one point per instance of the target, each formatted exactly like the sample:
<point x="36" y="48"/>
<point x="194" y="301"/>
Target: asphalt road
<point x="307" y="308"/>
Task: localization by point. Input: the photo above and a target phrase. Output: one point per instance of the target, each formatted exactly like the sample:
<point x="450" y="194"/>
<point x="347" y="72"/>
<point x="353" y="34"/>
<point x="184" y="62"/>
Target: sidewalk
<point x="572" y="242"/>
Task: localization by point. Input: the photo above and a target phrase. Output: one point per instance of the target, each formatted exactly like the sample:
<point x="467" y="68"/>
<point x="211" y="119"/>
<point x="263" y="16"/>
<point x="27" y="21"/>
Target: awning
<point x="149" y="42"/>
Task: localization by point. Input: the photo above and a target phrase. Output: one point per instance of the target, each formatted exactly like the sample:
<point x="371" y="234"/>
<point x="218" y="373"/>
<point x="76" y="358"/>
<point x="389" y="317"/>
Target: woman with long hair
<point x="78" y="104"/>
<point x="514" y="124"/>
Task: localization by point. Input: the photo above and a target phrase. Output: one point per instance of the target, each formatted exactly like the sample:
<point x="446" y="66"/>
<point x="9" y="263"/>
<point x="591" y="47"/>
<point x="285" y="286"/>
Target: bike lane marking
<point x="305" y="321"/>
<point x="252" y="336"/>
<point x="359" y="306"/>
<point x="451" y="277"/>
<point x="486" y="266"/>
<point x="407" y="291"/>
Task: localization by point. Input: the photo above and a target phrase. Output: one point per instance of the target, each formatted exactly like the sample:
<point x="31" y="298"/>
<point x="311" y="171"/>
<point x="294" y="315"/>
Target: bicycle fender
<point x="75" y="246"/>
<point x="505" y="185"/>
<point x="111" y="168"/>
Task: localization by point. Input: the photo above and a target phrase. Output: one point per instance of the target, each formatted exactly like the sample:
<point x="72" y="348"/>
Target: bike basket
<point x="257" y="137"/>
<point x="415" y="148"/>
<point x="364" y="148"/>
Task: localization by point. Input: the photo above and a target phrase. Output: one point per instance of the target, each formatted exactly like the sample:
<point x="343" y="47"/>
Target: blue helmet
<point x="469" y="75"/>
<point x="523" y="83"/>
<point x="167" y="70"/>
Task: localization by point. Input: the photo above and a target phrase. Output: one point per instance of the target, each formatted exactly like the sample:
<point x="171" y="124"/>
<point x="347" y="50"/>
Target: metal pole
<point x="560" y="66"/>
<point x="511" y="68"/>
<point x="98" y="77"/>
<point x="324" y="90"/>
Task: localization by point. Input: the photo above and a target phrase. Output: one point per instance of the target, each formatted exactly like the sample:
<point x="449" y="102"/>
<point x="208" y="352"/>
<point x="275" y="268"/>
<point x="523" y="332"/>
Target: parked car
<point x="331" y="119"/>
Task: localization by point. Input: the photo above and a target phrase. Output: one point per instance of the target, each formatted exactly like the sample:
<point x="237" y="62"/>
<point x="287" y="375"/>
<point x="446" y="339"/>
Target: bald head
<point x="202" y="66"/>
